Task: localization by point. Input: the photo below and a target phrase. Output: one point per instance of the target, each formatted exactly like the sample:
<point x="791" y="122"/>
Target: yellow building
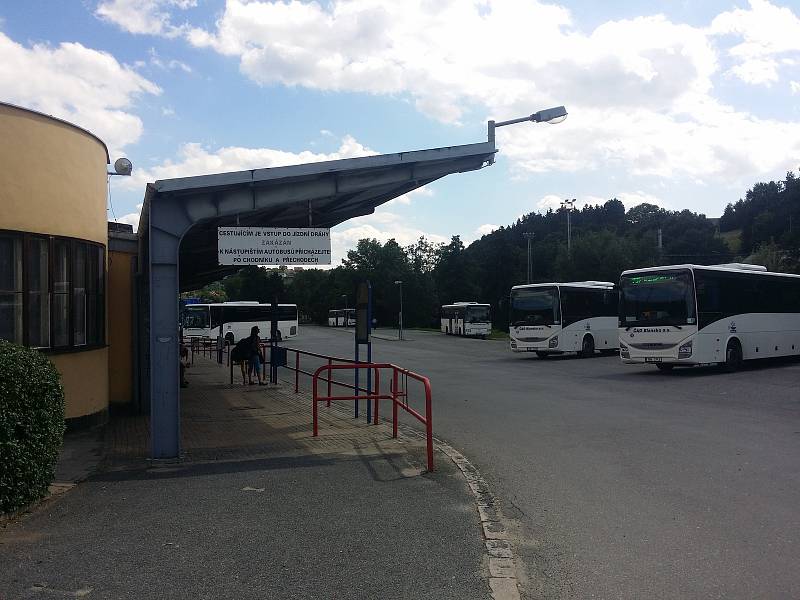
<point x="53" y="252"/>
<point x="123" y="337"/>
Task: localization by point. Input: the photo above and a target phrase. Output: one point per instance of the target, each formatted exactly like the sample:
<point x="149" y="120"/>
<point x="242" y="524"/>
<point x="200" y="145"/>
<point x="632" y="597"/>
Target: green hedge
<point x="31" y="425"/>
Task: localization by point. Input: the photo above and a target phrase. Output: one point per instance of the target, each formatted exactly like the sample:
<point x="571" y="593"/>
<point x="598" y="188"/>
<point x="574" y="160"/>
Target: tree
<point x="256" y="284"/>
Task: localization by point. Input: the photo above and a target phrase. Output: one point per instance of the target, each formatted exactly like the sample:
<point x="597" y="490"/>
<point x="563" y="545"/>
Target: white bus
<point x="553" y="318"/>
<point x="721" y="314"/>
<point x="467" y="318"/>
<point x="342" y="317"/>
<point x="237" y="318"/>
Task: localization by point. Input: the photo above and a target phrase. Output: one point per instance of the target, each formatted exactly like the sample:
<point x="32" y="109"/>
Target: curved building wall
<point x="52" y="177"/>
<point x="53" y="228"/>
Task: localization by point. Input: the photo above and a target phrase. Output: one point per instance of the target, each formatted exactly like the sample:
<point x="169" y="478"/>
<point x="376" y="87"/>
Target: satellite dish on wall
<point x="122" y="166"/>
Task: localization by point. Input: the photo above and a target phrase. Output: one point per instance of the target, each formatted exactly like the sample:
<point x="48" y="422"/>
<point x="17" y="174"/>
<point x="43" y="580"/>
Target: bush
<point x="31" y="425"/>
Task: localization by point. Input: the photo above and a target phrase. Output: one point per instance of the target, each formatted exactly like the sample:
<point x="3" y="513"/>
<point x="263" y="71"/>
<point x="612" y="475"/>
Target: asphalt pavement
<point x="258" y="508"/>
<point x="624" y="482"/>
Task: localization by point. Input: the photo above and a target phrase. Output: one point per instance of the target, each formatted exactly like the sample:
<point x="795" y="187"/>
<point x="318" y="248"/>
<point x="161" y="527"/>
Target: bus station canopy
<point x="178" y="240"/>
<point x="321" y="194"/>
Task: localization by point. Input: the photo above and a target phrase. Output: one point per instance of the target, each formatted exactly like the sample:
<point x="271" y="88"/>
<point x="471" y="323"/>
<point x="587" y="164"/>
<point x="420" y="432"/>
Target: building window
<point x="61" y="293"/>
<point x="62" y="282"/>
<point x="11" y="288"/>
<point x="37" y="265"/>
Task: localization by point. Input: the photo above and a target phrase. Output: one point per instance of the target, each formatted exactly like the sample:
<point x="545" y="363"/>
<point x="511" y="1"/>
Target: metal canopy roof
<point x="321" y="194"/>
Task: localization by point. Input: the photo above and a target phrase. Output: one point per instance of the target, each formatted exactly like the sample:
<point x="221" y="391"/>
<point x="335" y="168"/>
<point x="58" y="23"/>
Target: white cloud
<point x="148" y="17"/>
<point x="486" y="229"/>
<point x="639" y="90"/>
<point x="132" y="218"/>
<point x="407" y="198"/>
<point x="795" y="87"/>
<point x="551" y="201"/>
<point x="766" y="30"/>
<point x="381" y="226"/>
<point x="75" y="83"/>
<point x="757" y="71"/>
<point x="631" y="199"/>
<point x="167" y="65"/>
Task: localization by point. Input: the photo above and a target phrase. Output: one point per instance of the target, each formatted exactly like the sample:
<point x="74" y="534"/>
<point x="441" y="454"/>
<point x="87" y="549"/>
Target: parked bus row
<point x="676" y="315"/>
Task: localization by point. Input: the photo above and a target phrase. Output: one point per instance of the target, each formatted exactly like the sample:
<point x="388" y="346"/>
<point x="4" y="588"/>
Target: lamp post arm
<point x="552" y="115"/>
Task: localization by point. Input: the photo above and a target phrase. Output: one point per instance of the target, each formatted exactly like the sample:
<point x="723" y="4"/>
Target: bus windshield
<point x="658" y="298"/>
<point x="195" y="317"/>
<point x="534" y="306"/>
<point x="477" y="314"/>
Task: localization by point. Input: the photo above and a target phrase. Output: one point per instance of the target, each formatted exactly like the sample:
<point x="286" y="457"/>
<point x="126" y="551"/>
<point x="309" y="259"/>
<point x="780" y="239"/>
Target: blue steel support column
<point x="166" y="229"/>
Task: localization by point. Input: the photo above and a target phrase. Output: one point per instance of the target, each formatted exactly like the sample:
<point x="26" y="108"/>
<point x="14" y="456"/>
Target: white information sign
<point x="273" y="246"/>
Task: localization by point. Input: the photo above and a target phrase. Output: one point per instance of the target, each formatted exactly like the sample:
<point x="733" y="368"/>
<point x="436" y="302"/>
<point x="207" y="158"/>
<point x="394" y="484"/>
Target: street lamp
<point x="548" y="115"/>
<point x="529" y="235"/>
<point x="400" y="320"/>
<point x="568" y="205"/>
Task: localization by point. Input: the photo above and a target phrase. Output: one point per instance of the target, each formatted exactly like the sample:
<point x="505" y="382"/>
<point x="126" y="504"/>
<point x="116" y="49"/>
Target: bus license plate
<point x="655" y="359"/>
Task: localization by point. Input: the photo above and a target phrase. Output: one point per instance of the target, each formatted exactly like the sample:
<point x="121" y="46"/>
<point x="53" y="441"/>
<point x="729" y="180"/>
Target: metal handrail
<point x="399" y="398"/>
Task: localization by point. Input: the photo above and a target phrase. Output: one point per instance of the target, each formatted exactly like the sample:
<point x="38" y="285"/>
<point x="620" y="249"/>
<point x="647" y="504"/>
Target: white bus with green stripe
<point x="685" y="315"/>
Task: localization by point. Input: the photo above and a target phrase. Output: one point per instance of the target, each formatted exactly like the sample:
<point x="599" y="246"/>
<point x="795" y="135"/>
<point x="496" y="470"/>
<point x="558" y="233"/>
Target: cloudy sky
<point x="681" y="103"/>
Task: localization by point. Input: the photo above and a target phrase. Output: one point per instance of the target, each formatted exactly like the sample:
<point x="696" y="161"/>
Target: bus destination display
<point x="273" y="246"/>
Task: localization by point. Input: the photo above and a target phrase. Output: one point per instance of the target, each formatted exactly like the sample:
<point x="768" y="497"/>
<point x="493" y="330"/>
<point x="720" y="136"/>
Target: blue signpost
<point x="362" y="337"/>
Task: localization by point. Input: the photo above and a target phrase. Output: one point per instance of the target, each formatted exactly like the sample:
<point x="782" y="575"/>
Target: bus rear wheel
<point x="229" y="337"/>
<point x="587" y="348"/>
<point x="733" y="356"/>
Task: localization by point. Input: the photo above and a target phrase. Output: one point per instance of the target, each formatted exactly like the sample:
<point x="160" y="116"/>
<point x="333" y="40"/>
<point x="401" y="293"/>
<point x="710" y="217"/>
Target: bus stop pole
<point x="369" y="351"/>
<point x="219" y="343"/>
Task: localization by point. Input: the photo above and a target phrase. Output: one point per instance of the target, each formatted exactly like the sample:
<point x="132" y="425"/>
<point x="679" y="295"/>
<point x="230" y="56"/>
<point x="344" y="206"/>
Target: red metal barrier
<point x="398" y="396"/>
<point x="330" y="359"/>
<point x="398" y="392"/>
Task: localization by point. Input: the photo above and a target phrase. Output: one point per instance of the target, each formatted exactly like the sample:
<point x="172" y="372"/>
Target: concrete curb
<point x="499" y="551"/>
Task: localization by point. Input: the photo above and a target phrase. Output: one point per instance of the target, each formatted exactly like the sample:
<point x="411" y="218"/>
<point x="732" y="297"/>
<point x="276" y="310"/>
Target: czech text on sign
<point x="273" y="246"/>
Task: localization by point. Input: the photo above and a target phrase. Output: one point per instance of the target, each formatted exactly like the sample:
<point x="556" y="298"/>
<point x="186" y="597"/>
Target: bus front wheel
<point x="587" y="348"/>
<point x="733" y="356"/>
<point x="541" y="354"/>
<point x="665" y="366"/>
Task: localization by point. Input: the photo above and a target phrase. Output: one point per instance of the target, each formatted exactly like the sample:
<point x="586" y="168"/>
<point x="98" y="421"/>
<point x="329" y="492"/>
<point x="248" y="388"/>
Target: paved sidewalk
<point x="258" y="508"/>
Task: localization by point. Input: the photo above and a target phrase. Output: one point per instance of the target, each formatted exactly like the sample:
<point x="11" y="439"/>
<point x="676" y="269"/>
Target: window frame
<point x="93" y="248"/>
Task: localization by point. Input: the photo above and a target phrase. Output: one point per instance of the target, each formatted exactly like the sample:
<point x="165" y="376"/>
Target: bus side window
<point x="216" y="313"/>
<point x="707" y="290"/>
